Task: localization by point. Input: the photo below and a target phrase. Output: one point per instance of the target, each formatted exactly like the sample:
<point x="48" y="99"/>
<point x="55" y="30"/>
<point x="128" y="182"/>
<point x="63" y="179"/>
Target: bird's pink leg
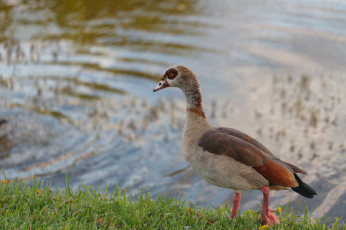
<point x="268" y="215"/>
<point x="236" y="201"/>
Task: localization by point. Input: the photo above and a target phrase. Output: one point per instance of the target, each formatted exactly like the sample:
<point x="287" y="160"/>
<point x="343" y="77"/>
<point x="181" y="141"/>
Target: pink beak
<point x="162" y="84"/>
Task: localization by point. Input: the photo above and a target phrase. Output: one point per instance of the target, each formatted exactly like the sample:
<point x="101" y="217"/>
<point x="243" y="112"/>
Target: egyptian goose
<point x="226" y="157"/>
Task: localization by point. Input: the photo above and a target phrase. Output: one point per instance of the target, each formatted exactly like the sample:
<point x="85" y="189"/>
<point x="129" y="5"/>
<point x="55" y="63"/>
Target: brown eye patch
<point x="171" y="73"/>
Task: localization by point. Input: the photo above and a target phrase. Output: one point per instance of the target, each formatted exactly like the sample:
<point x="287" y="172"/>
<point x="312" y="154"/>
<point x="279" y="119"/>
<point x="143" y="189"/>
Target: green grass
<point x="40" y="207"/>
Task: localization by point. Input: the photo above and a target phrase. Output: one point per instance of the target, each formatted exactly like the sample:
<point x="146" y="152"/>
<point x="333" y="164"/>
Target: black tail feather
<point x="304" y="189"/>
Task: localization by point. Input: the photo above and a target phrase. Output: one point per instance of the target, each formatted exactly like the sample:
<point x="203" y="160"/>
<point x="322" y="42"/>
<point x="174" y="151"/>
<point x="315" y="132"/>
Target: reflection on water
<point x="76" y="81"/>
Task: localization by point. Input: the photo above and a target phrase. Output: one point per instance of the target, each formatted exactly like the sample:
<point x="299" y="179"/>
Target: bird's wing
<point x="247" y="138"/>
<point x="244" y="137"/>
<point x="273" y="169"/>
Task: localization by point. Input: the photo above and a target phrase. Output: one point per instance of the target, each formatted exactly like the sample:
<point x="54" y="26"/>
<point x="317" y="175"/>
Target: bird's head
<point x="178" y="76"/>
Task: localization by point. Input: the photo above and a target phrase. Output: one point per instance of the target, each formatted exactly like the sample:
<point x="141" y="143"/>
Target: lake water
<point x="76" y="80"/>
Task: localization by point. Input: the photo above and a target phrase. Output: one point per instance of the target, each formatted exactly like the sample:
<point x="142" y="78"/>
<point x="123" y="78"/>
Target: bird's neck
<point x="195" y="116"/>
<point x="194" y="101"/>
<point x="192" y="94"/>
<point x="196" y="123"/>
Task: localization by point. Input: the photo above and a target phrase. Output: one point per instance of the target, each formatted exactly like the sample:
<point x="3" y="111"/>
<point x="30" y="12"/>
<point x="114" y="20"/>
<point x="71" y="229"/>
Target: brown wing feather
<point x="277" y="174"/>
<point x="295" y="168"/>
<point x="247" y="138"/>
<point x="224" y="144"/>
<point x="271" y="168"/>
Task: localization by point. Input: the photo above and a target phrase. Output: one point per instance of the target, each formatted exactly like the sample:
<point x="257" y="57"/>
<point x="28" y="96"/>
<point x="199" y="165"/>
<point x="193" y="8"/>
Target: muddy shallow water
<point x="76" y="82"/>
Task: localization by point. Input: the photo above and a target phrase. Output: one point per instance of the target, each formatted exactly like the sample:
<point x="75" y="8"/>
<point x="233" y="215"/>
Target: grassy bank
<point x="41" y="207"/>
